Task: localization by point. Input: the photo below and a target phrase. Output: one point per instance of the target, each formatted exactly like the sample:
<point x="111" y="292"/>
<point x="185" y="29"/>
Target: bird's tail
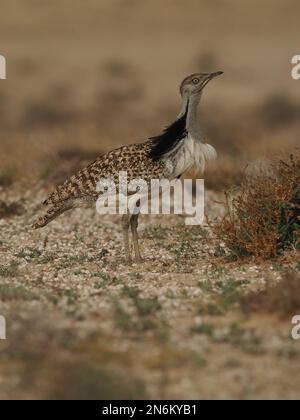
<point x="51" y="214"/>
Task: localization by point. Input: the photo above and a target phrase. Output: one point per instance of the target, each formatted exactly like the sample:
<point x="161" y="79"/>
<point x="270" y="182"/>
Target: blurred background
<point x="87" y="76"/>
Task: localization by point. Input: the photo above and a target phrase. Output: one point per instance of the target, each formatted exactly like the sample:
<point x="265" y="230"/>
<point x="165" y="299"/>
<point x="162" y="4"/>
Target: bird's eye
<point x="195" y="80"/>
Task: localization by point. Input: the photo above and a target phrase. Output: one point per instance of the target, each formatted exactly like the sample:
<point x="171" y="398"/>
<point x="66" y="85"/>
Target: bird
<point x="180" y="148"/>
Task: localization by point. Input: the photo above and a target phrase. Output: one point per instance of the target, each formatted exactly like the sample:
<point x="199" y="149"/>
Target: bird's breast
<point x="190" y="158"/>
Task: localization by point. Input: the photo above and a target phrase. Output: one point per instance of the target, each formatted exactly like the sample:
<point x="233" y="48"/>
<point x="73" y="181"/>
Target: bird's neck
<point x="190" y="107"/>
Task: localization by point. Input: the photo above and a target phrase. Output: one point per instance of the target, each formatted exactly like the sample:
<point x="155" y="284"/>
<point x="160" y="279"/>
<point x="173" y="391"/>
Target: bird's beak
<point x="209" y="77"/>
<point x="213" y="75"/>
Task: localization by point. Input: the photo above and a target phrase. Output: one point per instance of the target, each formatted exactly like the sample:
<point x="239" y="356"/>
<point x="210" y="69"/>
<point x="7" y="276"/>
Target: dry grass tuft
<point x="282" y="298"/>
<point x="263" y="217"/>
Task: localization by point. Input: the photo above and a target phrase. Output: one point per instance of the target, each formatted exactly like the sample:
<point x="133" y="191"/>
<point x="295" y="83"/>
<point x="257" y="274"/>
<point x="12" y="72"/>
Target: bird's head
<point x="195" y="83"/>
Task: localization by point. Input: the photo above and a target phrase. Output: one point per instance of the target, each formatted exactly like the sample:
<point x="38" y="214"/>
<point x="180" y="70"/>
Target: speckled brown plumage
<point x="133" y="158"/>
<point x="81" y="187"/>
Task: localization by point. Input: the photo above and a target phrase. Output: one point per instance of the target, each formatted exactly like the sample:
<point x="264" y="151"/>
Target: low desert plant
<point x="263" y="216"/>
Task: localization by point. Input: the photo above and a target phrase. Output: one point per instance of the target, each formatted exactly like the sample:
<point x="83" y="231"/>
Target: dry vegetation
<point x="263" y="217"/>
<point x="208" y="313"/>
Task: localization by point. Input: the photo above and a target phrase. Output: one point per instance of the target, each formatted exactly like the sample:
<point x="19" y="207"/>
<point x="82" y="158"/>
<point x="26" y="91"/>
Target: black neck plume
<point x="169" y="139"/>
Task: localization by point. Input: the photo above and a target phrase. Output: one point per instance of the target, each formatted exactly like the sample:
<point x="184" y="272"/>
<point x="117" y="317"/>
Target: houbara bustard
<point x="180" y="148"/>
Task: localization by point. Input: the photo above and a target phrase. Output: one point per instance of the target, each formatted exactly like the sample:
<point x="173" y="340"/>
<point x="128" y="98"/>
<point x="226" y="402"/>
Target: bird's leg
<point x="135" y="239"/>
<point x="125" y="227"/>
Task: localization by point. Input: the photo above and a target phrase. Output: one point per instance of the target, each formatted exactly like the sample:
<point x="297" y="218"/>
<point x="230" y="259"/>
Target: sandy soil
<point x="79" y="317"/>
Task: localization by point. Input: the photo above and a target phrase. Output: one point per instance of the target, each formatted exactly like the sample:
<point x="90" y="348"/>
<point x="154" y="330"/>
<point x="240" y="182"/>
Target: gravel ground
<point x="81" y="323"/>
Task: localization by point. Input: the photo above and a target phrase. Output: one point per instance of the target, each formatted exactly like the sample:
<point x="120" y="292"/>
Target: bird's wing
<point x="134" y="159"/>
